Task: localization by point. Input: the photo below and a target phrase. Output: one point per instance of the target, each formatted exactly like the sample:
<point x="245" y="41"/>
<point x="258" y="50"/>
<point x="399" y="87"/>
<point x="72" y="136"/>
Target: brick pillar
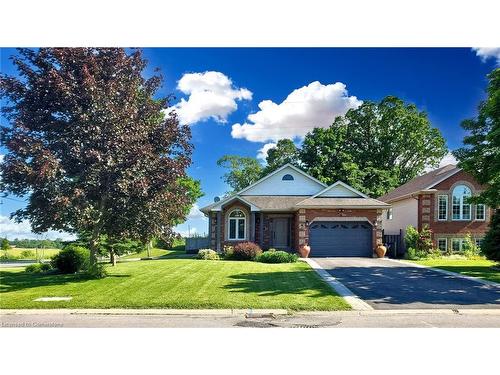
<point x="303" y="231"/>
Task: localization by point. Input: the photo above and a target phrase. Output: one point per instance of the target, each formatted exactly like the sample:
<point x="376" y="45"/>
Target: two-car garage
<point x="341" y="239"/>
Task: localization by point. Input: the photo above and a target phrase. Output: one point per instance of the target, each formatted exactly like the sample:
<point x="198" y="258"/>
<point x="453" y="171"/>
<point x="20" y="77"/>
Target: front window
<point x="443" y="244"/>
<point x="237" y="224"/>
<point x="478" y="242"/>
<point x="461" y="208"/>
<point x="442" y="207"/>
<point x="480" y="212"/>
<point x="389" y="214"/>
<point x="457" y="244"/>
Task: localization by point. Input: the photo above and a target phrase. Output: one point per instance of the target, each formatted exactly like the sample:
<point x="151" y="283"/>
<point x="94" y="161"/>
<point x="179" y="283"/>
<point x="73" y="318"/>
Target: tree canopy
<point x="481" y="154"/>
<point x="90" y="142"/>
<point x="243" y="171"/>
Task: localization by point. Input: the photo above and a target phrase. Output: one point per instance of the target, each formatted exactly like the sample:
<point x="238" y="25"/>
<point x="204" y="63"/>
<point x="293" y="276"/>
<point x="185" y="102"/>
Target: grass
<point x="481" y="268"/>
<point x="176" y="283"/>
<point x="155" y="252"/>
<point x="16" y="253"/>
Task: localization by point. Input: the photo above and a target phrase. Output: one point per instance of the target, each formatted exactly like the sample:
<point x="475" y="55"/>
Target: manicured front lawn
<point x="155" y="252"/>
<point x="481" y="268"/>
<point x="177" y="283"/>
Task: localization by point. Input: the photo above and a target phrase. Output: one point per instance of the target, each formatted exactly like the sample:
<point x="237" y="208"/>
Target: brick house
<point x="438" y="199"/>
<point x="288" y="208"/>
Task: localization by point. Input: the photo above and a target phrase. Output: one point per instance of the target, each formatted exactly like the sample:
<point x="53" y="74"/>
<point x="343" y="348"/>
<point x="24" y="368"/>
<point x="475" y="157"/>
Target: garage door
<point x="340" y="239"/>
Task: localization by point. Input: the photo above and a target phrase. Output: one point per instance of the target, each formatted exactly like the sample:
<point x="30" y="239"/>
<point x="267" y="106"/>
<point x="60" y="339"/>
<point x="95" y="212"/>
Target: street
<point x="227" y="319"/>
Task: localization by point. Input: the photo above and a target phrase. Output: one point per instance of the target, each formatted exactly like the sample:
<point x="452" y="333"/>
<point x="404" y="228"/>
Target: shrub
<point x="411" y="237"/>
<point x="411" y="253"/>
<point x="207" y="254"/>
<point x="71" y="259"/>
<point x="27" y="254"/>
<point x="471" y="250"/>
<point x="38" y="268"/>
<point x="97" y="272"/>
<point x="228" y="251"/>
<point x="246" y="251"/>
<point x="277" y="256"/>
<point x="416" y="254"/>
<point x="490" y="246"/>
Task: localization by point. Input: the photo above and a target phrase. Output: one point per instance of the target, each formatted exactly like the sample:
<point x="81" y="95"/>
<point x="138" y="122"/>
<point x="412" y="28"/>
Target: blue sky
<point x="447" y="83"/>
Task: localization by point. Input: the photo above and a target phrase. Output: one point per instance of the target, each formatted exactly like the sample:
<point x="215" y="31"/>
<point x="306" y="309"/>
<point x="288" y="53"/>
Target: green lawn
<point x="16" y="253"/>
<point x="155" y="252"/>
<point x="177" y="283"/>
<point x="481" y="268"/>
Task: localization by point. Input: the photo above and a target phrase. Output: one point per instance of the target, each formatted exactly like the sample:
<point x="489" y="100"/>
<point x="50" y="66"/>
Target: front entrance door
<point x="280" y="232"/>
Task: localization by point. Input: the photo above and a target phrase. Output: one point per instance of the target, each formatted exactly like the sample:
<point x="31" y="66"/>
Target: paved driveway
<point x="386" y="284"/>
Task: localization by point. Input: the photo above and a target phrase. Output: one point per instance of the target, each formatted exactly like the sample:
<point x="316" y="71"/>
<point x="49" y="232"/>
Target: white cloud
<point x="262" y="153"/>
<point x="211" y="95"/>
<point x="2" y="157"/>
<point x="447" y="159"/>
<point x="486" y="53"/>
<point x="308" y="107"/>
<point x="195" y="213"/>
<point x="13" y="230"/>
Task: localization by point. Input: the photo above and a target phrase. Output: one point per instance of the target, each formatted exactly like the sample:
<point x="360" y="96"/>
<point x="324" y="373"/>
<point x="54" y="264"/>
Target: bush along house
<point x="288" y="209"/>
<point x="439" y="199"/>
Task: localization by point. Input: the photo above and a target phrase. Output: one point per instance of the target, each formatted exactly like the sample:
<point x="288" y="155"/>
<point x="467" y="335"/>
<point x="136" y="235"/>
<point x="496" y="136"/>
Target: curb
<point x="202" y="312"/>
<point x="449" y="273"/>
<point x="352" y="299"/>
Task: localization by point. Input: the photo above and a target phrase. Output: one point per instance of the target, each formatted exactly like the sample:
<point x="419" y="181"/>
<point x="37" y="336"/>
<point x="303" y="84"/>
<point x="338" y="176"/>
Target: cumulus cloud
<point x="13" y="230"/>
<point x="262" y="153"/>
<point x="311" y="106"/>
<point x="195" y="213"/>
<point x="447" y="159"/>
<point x="210" y="95"/>
<point x="486" y="53"/>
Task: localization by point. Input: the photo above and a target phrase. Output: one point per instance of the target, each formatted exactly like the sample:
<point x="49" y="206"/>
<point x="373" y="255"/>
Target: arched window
<point x="237" y="225"/>
<point x="287" y="177"/>
<point x="461" y="208"/>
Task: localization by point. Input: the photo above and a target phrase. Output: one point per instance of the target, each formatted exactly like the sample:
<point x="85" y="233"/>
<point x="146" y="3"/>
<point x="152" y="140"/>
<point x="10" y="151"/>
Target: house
<point x="288" y="208"/>
<point x="438" y="199"/>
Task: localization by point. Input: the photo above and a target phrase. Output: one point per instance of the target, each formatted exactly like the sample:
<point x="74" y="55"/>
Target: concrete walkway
<point x="389" y="285"/>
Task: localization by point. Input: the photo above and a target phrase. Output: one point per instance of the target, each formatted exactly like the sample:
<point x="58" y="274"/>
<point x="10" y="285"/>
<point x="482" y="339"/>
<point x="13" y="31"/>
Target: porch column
<point x="252" y="227"/>
<point x="219" y="219"/>
<point x="261" y="230"/>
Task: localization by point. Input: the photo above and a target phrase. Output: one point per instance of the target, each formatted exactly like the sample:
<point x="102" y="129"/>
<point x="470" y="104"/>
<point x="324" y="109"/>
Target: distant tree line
<point x="33" y="244"/>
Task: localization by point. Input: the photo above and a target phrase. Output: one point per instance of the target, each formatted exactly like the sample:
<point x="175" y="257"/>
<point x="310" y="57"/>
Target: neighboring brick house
<point x="439" y="199"/>
<point x="288" y="208"/>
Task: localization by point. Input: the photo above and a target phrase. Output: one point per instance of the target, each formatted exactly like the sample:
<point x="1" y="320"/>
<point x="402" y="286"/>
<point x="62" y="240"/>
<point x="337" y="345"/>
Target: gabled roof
<point x="425" y="182"/>
<point x="343" y="184"/>
<point x="288" y="165"/>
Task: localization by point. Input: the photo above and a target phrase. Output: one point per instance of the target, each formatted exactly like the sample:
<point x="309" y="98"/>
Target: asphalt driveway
<point x="387" y="285"/>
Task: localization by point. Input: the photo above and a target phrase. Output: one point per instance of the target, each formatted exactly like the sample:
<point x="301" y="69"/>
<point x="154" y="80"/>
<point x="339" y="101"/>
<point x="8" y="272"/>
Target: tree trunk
<point x="112" y="257"/>
<point x="149" y="246"/>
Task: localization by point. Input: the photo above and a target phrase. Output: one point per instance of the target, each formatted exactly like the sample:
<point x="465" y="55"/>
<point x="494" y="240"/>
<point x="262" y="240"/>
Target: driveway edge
<point x="352" y="299"/>
<point x="449" y="273"/>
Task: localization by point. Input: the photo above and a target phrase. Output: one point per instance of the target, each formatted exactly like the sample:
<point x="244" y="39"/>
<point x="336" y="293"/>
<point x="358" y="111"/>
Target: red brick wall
<point x="427" y="206"/>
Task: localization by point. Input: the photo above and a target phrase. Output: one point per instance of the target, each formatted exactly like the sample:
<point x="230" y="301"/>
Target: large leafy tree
<point x="90" y="143"/>
<point x="242" y="171"/>
<point x="284" y="152"/>
<point x="481" y="154"/>
<point x="375" y="147"/>
<point x="481" y="157"/>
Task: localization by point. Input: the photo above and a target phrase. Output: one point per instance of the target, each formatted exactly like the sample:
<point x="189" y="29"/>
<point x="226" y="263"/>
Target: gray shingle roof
<point x="420" y="183"/>
<point x="275" y="202"/>
<point x="343" y="203"/>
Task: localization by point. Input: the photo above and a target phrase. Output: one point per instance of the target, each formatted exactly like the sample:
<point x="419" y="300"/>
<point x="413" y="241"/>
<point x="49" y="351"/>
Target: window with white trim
<point x="389" y="214"/>
<point x="442" y="244"/>
<point x="442" y="207"/>
<point x="480" y="212"/>
<point x="237" y="225"/>
<point x="461" y="209"/>
<point x="478" y="242"/>
<point x="457" y="244"/>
